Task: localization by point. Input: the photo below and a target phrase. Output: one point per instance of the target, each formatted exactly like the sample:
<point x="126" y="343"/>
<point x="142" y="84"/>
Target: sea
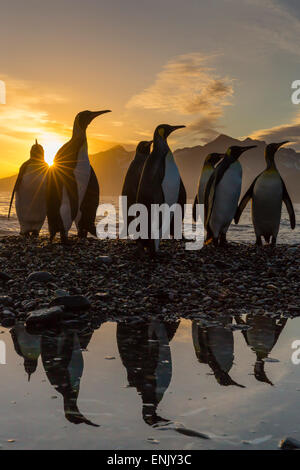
<point x="241" y="233"/>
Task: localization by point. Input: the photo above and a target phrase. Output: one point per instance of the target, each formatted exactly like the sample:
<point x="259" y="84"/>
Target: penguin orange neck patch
<point x="161" y="132"/>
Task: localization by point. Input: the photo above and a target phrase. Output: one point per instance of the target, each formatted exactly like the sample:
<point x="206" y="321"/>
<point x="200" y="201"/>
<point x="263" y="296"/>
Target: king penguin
<point x="222" y="194"/>
<point x="160" y="183"/>
<point x="209" y="165"/>
<point x="30" y="191"/>
<point x="73" y="189"/>
<point x="134" y="172"/>
<point x="267" y="193"/>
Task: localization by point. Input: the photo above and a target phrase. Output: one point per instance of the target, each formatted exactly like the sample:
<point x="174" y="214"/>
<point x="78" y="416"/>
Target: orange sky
<point x="224" y="66"/>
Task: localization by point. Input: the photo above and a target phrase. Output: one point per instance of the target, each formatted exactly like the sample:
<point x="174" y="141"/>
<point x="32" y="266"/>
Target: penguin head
<point x="271" y="149"/>
<point x="30" y="366"/>
<point x="259" y="372"/>
<point x="144" y="147"/>
<point x="84" y="118"/>
<point x="164" y="130"/>
<point x="37" y="152"/>
<point x="213" y="158"/>
<point x="235" y="151"/>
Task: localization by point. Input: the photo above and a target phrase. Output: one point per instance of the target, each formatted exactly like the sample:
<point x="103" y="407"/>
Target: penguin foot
<point x="35" y="234"/>
<point x="258" y="241"/>
<point x="64" y="239"/>
<point x="223" y="241"/>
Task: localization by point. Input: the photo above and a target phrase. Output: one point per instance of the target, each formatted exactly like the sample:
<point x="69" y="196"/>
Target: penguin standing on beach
<point x="73" y="189"/>
<point x="222" y="194"/>
<point x="30" y="191"/>
<point x="209" y="165"/>
<point x="160" y="183"/>
<point x="267" y="193"/>
<point x="134" y="172"/>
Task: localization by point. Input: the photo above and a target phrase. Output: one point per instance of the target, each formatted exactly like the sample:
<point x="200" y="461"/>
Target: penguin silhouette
<point x="209" y="165"/>
<point x="73" y="189"/>
<point x="261" y="338"/>
<point x="27" y="346"/>
<point x="30" y="191"/>
<point x="145" y="353"/>
<point x="214" y="346"/>
<point x="160" y="183"/>
<point x="63" y="363"/>
<point x="222" y="193"/>
<point x="267" y="193"/>
<point x="133" y="175"/>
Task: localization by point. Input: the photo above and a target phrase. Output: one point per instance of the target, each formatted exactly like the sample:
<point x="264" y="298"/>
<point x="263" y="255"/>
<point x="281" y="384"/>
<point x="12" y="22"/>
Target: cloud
<point x="275" y="25"/>
<point x="24" y="115"/>
<point x="289" y="131"/>
<point x="188" y="86"/>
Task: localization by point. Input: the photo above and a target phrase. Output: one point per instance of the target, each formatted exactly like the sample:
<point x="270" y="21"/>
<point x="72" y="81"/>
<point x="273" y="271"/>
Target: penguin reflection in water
<point x="261" y="338"/>
<point x="63" y="363"/>
<point x="267" y="193"/>
<point x="222" y="195"/>
<point x="133" y="175"/>
<point x="30" y="191"/>
<point x="214" y="346"/>
<point x="27" y="346"/>
<point x="160" y="183"/>
<point x="73" y="189"/>
<point x="145" y="352"/>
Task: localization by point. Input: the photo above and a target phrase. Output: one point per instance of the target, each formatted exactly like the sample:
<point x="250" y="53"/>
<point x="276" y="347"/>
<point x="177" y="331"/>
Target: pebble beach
<point x="113" y="284"/>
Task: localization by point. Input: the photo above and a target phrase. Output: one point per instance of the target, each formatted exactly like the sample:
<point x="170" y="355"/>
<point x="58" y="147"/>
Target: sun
<point x="51" y="144"/>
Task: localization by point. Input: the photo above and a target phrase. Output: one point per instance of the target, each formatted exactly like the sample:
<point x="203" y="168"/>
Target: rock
<point x="104" y="296"/>
<point x="221" y="265"/>
<point x="289" y="443"/>
<point x="4" y="277"/>
<point x="5" y="300"/>
<point x="40" y="276"/>
<point x="45" y="317"/>
<point x="72" y="302"/>
<point x="104" y="259"/>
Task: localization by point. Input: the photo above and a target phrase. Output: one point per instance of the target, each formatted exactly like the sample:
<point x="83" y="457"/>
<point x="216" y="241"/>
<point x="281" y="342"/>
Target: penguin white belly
<point x="82" y="174"/>
<point x="31" y="200"/>
<point x="226" y="199"/>
<point x="267" y="204"/>
<point x="171" y="181"/>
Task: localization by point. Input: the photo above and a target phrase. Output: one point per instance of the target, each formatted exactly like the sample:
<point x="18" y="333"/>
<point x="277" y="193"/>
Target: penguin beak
<point x="174" y="128"/>
<point x="248" y="147"/>
<point x="282" y="143"/>
<point x="95" y="114"/>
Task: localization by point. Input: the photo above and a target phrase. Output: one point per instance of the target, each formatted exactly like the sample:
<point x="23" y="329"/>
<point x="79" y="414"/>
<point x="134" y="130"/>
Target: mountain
<point x="111" y="166"/>
<point x="7" y="184"/>
<point x="190" y="161"/>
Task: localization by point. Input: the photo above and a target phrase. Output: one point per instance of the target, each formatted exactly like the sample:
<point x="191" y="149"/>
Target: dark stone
<point x="72" y="302"/>
<point x="45" y="317"/>
<point x="5" y="300"/>
<point x="40" y="276"/>
<point x="221" y="265"/>
<point x="4" y="277"/>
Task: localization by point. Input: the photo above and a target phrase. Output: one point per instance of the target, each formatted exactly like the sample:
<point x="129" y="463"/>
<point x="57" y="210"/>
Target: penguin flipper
<point x="195" y="208"/>
<point x="89" y="205"/>
<point x="182" y="197"/>
<point x="245" y="199"/>
<point x="17" y="184"/>
<point x="289" y="205"/>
